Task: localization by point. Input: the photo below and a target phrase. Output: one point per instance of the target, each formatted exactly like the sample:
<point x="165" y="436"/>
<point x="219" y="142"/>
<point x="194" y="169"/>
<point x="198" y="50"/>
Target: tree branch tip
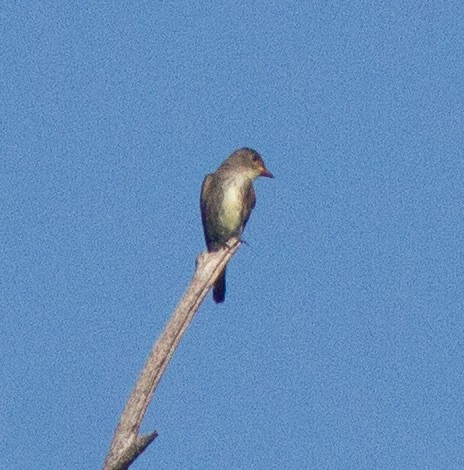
<point x="232" y="244"/>
<point x="143" y="442"/>
<point x="137" y="448"/>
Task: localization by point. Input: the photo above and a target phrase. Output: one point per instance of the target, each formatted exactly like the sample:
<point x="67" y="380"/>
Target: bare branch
<point x="126" y="444"/>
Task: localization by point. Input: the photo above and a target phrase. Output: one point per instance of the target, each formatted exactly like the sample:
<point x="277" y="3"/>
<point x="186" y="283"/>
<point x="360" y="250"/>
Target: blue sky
<point x="340" y="344"/>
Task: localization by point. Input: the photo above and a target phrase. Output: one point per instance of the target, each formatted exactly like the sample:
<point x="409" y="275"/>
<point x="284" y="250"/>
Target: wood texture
<point x="126" y="444"/>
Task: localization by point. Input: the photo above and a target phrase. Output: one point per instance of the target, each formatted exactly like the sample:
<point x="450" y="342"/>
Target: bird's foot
<point x="232" y="242"/>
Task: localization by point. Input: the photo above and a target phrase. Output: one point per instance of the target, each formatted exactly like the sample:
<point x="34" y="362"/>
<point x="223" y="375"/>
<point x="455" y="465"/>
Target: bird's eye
<point x="255" y="158"/>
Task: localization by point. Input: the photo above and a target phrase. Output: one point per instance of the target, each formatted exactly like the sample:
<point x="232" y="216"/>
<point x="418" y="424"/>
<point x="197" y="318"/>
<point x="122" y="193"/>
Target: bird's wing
<point x="205" y="187"/>
<point x="249" y="204"/>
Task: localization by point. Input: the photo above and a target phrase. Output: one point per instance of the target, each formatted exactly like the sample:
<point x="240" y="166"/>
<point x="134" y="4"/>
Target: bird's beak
<point x="266" y="173"/>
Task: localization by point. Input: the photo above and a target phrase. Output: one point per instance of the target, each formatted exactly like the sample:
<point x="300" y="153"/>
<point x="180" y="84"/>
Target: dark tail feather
<point x="219" y="288"/>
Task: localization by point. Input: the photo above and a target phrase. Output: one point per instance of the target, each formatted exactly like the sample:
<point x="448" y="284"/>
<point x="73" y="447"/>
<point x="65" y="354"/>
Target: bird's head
<point x="249" y="162"/>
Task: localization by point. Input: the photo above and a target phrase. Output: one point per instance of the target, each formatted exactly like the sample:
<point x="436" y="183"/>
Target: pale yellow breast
<point x="232" y="205"/>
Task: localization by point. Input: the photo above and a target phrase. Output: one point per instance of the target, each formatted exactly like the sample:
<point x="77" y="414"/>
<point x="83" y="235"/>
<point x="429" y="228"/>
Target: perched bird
<point x="226" y="201"/>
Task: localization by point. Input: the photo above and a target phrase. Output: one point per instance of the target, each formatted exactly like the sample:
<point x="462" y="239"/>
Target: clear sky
<point x="341" y="341"/>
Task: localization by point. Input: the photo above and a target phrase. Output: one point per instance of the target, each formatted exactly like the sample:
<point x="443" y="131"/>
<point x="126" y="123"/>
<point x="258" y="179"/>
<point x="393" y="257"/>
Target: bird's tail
<point x="219" y="288"/>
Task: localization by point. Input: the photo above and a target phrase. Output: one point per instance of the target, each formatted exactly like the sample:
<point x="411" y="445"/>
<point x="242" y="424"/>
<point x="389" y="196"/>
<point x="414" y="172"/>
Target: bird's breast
<point x="232" y="204"/>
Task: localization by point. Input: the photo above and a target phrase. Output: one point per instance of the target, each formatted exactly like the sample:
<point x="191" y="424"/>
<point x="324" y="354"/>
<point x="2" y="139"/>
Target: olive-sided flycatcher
<point x="227" y="199"/>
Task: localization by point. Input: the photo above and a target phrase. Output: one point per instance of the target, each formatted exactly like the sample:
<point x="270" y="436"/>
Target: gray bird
<point x="226" y="201"/>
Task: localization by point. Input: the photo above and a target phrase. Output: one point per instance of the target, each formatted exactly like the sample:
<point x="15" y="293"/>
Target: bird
<point x="226" y="201"/>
